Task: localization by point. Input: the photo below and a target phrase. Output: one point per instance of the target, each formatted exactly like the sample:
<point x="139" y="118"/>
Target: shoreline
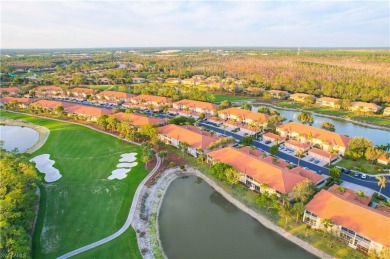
<point x="42" y="131"/>
<point x="156" y="198"/>
<point x="360" y="123"/>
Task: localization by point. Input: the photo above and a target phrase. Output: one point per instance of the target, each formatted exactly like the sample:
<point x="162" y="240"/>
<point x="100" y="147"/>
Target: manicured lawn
<point x="102" y="87"/>
<point x="361" y="165"/>
<point x="377" y="120"/>
<point x="124" y="246"/>
<point x="219" y="98"/>
<point x="290" y="105"/>
<point x="83" y="206"/>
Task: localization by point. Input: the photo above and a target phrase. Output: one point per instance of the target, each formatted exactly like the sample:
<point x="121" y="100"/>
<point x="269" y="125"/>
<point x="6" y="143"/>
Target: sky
<point x="94" y="24"/>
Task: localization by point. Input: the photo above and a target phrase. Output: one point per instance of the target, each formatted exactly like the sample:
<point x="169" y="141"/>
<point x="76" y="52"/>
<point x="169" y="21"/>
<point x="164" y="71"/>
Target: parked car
<point x="363" y="176"/>
<point x="268" y="141"/>
<point x="357" y="174"/>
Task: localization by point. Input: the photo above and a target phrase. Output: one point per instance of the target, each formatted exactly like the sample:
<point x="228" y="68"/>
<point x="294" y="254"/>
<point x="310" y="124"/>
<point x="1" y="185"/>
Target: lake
<point x="18" y="137"/>
<point x="377" y="136"/>
<point x="197" y="222"/>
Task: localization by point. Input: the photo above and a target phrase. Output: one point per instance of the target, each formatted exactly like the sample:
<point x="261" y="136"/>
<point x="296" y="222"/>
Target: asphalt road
<point x="370" y="182"/>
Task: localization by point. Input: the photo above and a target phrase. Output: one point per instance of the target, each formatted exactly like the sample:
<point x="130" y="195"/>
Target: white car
<point x="363" y="176"/>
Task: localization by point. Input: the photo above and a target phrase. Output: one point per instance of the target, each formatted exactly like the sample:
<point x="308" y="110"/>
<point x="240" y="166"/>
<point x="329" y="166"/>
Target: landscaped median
<point x="83" y="206"/>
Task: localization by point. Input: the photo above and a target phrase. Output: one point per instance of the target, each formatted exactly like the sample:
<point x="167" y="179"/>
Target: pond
<point x="18" y="137"/>
<point x="197" y="222"/>
<point x="377" y="136"/>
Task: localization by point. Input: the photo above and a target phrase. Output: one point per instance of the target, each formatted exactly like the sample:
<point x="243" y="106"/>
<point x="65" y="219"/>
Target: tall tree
<point x="299" y="209"/>
<point x="382" y="180"/>
<point x="335" y="173"/>
<point x="303" y="191"/>
<point x="232" y="176"/>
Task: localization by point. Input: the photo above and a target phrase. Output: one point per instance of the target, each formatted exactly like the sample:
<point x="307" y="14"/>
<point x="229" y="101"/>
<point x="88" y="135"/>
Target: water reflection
<point x="219" y="200"/>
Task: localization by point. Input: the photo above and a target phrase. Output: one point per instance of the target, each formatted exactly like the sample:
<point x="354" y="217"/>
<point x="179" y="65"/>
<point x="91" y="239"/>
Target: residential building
<point x="138" y="80"/>
<point x="197" y="107"/>
<point x="18" y="102"/>
<point x="50" y="105"/>
<point x="386" y="111"/>
<point x="358" y="225"/>
<point x="365" y="107"/>
<point x="329" y="102"/>
<point x="9" y="91"/>
<point x="261" y="174"/>
<point x="137" y="119"/>
<point x="384" y="159"/>
<point x="150" y="101"/>
<point x="297" y="146"/>
<point x="173" y="80"/>
<point x="327" y="140"/>
<point x="279" y="94"/>
<point x="89" y="113"/>
<point x="189" y="81"/>
<point x="300" y="97"/>
<point x="47" y="91"/>
<point x="195" y="138"/>
<point x="114" y="96"/>
<point x="322" y="155"/>
<point x="80" y="92"/>
<point x="273" y="137"/>
<point x="244" y="116"/>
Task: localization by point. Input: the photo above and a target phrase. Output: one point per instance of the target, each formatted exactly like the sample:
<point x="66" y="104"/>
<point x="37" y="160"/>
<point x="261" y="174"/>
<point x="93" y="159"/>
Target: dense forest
<point x="346" y="73"/>
<point x="18" y="199"/>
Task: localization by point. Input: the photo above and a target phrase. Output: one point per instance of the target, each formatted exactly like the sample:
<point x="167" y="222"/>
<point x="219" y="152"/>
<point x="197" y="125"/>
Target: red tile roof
<point x="362" y="219"/>
<point x="119" y="95"/>
<point x="368" y="105"/>
<point x="312" y="176"/>
<point x="18" y="100"/>
<point x="297" y="144"/>
<point x="327" y="136"/>
<point x="48" y="88"/>
<point x="191" y="135"/>
<point x="152" y="98"/>
<point x="51" y="104"/>
<point x="245" y="114"/>
<point x="10" y="90"/>
<point x="88" y="110"/>
<point x="262" y="171"/>
<point x="322" y="153"/>
<point x="196" y="104"/>
<point x="82" y="90"/>
<point x="138" y="120"/>
<point x="271" y="135"/>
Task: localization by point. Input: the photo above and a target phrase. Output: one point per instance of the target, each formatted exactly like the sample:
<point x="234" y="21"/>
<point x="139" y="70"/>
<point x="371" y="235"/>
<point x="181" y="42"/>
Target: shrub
<point x="182" y="167"/>
<point x="172" y="164"/>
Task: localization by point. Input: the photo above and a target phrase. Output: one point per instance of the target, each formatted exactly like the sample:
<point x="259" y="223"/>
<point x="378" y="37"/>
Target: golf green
<point x="83" y="206"/>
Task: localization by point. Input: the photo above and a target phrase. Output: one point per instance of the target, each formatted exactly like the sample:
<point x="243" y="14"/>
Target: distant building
<point x="328" y="102"/>
<point x="11" y="91"/>
<point x="384" y="159"/>
<point x="138" y="80"/>
<point x="365" y="107"/>
<point x="386" y="111"/>
<point x="89" y="113"/>
<point x="195" y="107"/>
<point x="299" y="97"/>
<point x="138" y="119"/>
<point x="279" y="94"/>
<point x="324" y="139"/>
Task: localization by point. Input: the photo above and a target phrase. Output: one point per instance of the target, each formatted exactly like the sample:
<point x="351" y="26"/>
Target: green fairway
<point x="83" y="206"/>
<point x="219" y="98"/>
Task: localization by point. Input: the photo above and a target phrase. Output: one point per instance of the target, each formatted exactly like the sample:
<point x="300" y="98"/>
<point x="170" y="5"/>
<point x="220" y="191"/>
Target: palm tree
<point x="381" y="182"/>
<point x="162" y="155"/>
<point x="327" y="223"/>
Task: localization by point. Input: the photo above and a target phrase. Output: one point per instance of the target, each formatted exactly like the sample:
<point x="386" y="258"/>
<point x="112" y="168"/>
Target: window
<point x="248" y="183"/>
<point x="257" y="188"/>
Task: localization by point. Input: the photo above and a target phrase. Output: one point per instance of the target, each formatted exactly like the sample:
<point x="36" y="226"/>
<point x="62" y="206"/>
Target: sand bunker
<point x="45" y="166"/>
<point x="128" y="157"/>
<point x="124" y="166"/>
<point x="119" y="173"/>
<point x="130" y="165"/>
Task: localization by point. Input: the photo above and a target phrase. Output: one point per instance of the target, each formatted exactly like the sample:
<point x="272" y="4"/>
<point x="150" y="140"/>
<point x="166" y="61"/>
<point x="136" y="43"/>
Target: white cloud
<point x="37" y="24"/>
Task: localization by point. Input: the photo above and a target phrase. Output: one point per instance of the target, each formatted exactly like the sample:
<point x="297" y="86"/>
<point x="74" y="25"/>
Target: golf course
<point x="83" y="206"/>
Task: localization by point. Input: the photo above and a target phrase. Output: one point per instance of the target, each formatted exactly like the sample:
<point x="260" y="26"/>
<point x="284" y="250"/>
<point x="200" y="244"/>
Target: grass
<point x="83" y="206"/>
<point x="219" y="98"/>
<point x="121" y="247"/>
<point x="325" y="242"/>
<point x="369" y="118"/>
<point x="362" y="165"/>
<point x="102" y="87"/>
